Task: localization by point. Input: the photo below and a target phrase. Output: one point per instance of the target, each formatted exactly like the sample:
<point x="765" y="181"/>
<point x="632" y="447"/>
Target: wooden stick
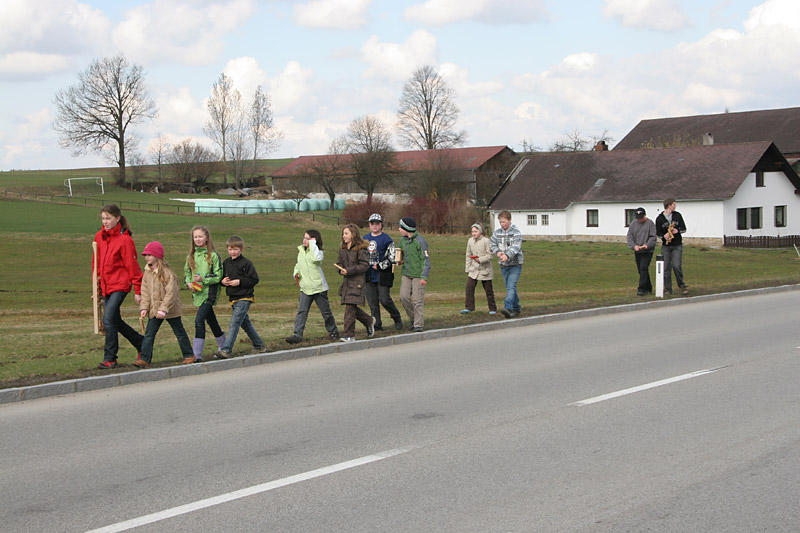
<point x="141" y="323"/>
<point x="95" y="302"/>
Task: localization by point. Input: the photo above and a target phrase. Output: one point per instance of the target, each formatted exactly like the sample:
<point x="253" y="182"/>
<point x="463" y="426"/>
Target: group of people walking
<point x="366" y="264"/>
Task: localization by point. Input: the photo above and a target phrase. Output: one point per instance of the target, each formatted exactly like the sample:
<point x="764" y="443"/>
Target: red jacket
<point x="118" y="265"/>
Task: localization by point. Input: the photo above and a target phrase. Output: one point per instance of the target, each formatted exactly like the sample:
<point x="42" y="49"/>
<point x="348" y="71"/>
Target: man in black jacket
<point x="670" y="226"/>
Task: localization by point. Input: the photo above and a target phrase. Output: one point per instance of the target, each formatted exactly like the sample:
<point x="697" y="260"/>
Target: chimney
<point x="601" y="146"/>
<point x="708" y="139"/>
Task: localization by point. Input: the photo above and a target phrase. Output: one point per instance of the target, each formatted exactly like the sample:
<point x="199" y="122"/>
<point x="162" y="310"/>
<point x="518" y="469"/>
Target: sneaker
<point x="506" y="313"/>
<point x="259" y="349"/>
<point x="417" y="330"/>
<point x="333" y="336"/>
<point x="189" y="360"/>
<point x="198" y="359"/>
<point x="466" y="311"/>
<point x="105" y="365"/>
<point x="685" y="290"/>
<point x="378" y="327"/>
<point x="492" y="313"/>
<point x="294" y="339"/>
<point x="222" y="354"/>
<point x="512" y="314"/>
<point x="411" y="327"/>
<point x="398" y="325"/>
<point x="347" y="339"/>
<point x="371" y="328"/>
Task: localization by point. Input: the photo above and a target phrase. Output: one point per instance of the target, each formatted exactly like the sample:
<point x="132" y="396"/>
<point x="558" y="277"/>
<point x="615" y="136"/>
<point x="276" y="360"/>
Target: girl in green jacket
<point x="313" y="287"/>
<point x="202" y="274"/>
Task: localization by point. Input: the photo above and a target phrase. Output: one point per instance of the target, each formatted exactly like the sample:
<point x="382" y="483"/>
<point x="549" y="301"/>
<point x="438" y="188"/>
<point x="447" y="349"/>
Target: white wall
<point x="777" y="190"/>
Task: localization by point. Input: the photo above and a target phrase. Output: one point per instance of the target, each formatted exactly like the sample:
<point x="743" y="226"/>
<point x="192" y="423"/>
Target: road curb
<point x="71" y="386"/>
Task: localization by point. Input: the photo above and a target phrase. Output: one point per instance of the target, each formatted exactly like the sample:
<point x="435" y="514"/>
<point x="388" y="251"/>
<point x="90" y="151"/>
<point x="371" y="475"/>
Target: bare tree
<point x="192" y="163"/>
<point x="137" y="168"/>
<point x="527" y="146"/>
<point x="428" y="113"/>
<point x="158" y="155"/>
<point x="575" y="141"/>
<point x="373" y="158"/>
<point x="330" y="170"/>
<point x="266" y="138"/>
<point x="109" y="97"/>
<point x="238" y="147"/>
<point x="300" y="188"/>
<point x="442" y="178"/>
<point x="225" y="110"/>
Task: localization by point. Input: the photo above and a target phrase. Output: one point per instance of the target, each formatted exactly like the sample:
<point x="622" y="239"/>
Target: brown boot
<point x="189" y="360"/>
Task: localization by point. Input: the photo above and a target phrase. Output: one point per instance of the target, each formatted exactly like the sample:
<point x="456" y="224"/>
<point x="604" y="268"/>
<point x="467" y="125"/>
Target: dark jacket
<point x="243" y="270"/>
<point x="662" y="225"/>
<point x="356" y="262"/>
<point x="118" y="265"/>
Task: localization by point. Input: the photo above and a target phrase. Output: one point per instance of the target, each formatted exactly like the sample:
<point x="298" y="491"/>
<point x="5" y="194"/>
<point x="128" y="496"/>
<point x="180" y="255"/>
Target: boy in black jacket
<point x="240" y="278"/>
<point x="669" y="226"/>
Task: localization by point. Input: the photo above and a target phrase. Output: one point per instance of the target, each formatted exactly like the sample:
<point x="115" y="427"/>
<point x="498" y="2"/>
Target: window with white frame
<point x="592" y="218"/>
<point x="748" y="218"/>
<point x="531" y="220"/>
<point x="630" y="216"/>
<point x="780" y="216"/>
<point x="545" y="220"/>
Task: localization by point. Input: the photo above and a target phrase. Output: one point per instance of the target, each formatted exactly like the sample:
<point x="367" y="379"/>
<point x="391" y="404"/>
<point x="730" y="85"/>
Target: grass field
<point x="45" y="308"/>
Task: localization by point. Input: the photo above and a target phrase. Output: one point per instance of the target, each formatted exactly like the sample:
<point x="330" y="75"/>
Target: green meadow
<point x="45" y="285"/>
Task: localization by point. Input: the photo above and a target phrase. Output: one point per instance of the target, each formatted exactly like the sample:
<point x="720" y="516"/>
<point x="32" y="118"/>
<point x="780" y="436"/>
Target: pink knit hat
<point x="155" y="248"/>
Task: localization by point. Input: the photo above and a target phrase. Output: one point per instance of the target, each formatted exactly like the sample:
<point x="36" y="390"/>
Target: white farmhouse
<point x="723" y="191"/>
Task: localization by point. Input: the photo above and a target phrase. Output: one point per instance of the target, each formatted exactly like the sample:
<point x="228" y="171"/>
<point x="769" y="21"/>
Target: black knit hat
<point x="408" y="224"/>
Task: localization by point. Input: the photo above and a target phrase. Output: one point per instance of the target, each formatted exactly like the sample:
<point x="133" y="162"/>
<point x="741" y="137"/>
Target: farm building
<point x="781" y="126"/>
<point x="481" y="170"/>
<point x="733" y="190"/>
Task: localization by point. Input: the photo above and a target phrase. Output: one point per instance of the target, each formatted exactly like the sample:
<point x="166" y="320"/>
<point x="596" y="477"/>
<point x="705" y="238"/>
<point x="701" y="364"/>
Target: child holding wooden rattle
<point x="160" y="301"/>
<point x="202" y="273"/>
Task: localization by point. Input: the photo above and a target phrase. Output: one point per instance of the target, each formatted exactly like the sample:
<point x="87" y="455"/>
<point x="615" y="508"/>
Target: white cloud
<point x="774" y="12"/>
<point x="663" y="15"/>
<point x="247" y="75"/>
<point x="187" y="33"/>
<point x="181" y="112"/>
<point x="397" y="62"/>
<point x="28" y="65"/>
<point x="458" y="79"/>
<point x="440" y="12"/>
<point x="39" y="38"/>
<point x="335" y="14"/>
<point x="293" y="90"/>
<point x="26" y="141"/>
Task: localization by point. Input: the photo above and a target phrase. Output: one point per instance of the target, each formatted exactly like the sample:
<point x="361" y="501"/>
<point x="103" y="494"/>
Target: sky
<point x="521" y="70"/>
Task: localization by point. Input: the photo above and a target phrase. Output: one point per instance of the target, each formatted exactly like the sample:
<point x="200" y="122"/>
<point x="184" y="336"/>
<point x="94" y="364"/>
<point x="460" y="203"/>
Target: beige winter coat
<point x="156" y="297"/>
<point x="480" y="269"/>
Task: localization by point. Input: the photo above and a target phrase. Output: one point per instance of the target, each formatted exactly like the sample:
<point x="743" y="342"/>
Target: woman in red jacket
<point x="118" y="270"/>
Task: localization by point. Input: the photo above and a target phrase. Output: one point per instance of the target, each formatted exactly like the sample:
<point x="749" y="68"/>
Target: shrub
<point x="359" y="213"/>
<point x="432" y="215"/>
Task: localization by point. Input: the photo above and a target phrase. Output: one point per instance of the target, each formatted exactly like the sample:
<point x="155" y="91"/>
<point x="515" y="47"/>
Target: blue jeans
<point x="240" y="319"/>
<point x="324" y="307"/>
<point x="673" y="260"/>
<point x="205" y="313"/>
<point x="510" y="278"/>
<point x="114" y="325"/>
<point x="177" y="328"/>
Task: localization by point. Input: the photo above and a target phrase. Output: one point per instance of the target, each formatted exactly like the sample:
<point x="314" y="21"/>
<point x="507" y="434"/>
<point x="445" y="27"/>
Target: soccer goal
<point x="98" y="181"/>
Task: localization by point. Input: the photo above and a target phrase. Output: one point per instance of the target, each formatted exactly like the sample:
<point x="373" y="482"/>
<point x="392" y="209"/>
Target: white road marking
<point x="640" y="388"/>
<point x="243" y="493"/>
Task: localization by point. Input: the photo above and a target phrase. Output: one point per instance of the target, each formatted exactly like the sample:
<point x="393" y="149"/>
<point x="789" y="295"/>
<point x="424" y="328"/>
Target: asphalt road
<point x="683" y="418"/>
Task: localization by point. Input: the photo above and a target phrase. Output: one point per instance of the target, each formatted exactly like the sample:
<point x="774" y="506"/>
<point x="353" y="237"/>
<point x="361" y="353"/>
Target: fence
<point x="736" y="241"/>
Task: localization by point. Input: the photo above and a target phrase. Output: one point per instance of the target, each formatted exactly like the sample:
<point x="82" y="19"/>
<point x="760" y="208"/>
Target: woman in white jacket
<point x="479" y="268"/>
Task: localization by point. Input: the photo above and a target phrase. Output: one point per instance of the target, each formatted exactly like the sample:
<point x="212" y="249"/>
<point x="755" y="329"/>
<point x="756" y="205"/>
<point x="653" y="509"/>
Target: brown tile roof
<point x="411" y="160"/>
<point x="554" y="181"/>
<point x="781" y="126"/>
